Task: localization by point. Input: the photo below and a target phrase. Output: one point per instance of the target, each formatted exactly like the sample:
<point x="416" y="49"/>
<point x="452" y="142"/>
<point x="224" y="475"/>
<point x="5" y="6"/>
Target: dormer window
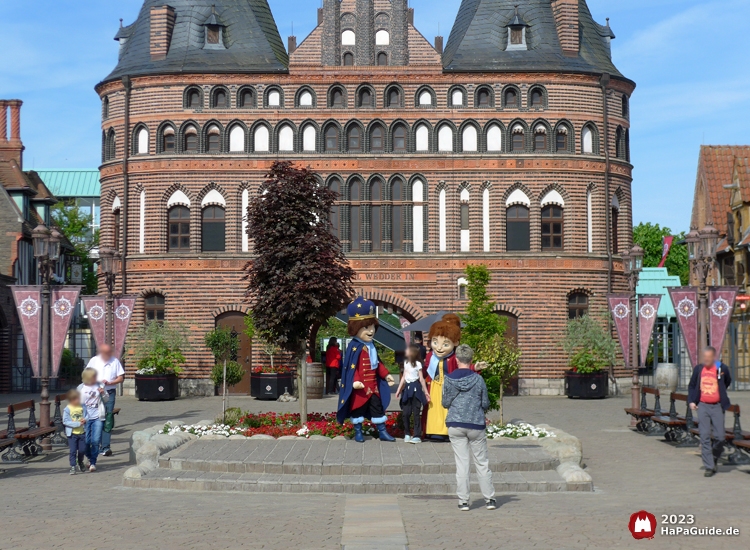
<point x="214" y="32"/>
<point x="517" y="33"/>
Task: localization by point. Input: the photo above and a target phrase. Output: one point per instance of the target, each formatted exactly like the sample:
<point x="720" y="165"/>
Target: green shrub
<point x="589" y="346"/>
<point x="235" y="373"/>
<point x="232" y="417"/>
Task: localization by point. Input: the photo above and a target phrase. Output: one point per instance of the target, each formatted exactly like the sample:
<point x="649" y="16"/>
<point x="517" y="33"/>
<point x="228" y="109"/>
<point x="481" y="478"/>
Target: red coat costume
<point x="369" y="377"/>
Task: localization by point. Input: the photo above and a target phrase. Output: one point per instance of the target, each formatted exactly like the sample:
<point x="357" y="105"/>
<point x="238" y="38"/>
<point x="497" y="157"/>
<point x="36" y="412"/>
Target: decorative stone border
<point x="567" y="449"/>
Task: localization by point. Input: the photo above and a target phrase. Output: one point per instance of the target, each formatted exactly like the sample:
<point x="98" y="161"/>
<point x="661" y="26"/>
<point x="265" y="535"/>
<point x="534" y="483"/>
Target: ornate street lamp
<point x="40" y="237"/>
<point x="702" y="265"/>
<point x="633" y="267"/>
<point x="692" y="239"/>
<point x="109" y="263"/>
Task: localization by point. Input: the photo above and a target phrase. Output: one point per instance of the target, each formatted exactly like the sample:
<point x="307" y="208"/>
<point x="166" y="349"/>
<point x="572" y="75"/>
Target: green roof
<point x="655" y="280"/>
<point x="71" y="183"/>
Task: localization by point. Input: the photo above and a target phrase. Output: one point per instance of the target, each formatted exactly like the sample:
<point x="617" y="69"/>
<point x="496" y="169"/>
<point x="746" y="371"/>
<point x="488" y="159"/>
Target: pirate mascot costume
<point x="365" y="381"/>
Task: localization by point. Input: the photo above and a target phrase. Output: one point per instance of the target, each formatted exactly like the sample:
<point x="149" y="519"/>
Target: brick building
<point x="508" y="147"/>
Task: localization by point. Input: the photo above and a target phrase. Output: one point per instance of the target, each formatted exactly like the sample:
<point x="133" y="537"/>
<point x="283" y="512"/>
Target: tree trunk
<point x="500" y="408"/>
<point x="224" y="398"/>
<point x="302" y="370"/>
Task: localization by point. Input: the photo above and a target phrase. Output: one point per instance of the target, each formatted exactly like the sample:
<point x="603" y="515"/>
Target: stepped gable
<point x="252" y="40"/>
<point x="479" y="38"/>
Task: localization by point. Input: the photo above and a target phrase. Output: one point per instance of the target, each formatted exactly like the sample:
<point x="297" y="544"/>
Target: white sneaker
<point x="416" y="440"/>
<point x="463" y="506"/>
<point x="407" y="439"/>
<point x="92" y="468"/>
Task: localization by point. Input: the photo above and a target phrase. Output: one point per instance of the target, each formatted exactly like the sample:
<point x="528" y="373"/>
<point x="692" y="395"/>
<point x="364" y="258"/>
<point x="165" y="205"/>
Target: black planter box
<point x="156" y="387"/>
<point x="270" y="386"/>
<point x="586" y="386"/>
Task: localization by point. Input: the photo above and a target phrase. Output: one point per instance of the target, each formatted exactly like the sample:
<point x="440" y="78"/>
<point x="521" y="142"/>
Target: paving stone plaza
<point x="630" y="472"/>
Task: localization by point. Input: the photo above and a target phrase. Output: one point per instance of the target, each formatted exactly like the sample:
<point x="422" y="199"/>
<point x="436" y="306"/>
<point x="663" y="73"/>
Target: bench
<point x="643" y="414"/>
<point x="25" y="439"/>
<point x="676" y="426"/>
<point x="733" y="436"/>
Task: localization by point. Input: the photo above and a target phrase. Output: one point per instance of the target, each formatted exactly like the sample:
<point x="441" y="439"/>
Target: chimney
<point x="439" y="44"/>
<point x="292" y="44"/>
<point x="3" y="121"/>
<point x="162" y="25"/>
<point x="11" y="147"/>
<point x="320" y="16"/>
<point x="15" y="119"/>
<point x="566" y="21"/>
<point x="410" y="16"/>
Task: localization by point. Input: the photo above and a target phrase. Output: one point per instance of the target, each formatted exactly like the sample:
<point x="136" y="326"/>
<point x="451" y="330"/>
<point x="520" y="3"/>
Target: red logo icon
<point x="642" y="525"/>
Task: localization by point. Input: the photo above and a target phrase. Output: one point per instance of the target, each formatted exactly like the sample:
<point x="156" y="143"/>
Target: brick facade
<point x="532" y="286"/>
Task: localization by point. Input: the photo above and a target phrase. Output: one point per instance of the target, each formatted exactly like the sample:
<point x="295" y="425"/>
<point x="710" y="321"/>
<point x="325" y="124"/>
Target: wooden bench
<point x="733" y="436"/>
<point x="26" y="440"/>
<point x="643" y="415"/>
<point x="676" y="426"/>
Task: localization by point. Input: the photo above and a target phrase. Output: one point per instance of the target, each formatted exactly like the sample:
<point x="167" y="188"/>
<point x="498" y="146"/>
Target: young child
<point x="93" y="398"/>
<point x="412" y="392"/>
<point x="74" y="420"/>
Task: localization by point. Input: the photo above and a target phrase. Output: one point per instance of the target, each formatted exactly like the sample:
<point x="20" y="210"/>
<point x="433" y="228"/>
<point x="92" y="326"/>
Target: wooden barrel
<point x="315" y="381"/>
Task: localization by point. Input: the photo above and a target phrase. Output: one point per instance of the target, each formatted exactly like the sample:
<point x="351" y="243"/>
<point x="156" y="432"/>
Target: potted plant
<point x="227" y="372"/>
<point x="270" y="382"/>
<point x="159" y="355"/>
<point x="503" y="360"/>
<point x="591" y="351"/>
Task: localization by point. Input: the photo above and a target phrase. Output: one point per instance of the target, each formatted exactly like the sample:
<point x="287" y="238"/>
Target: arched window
<point x="213" y="142"/>
<point x="348" y="59"/>
<point x="261" y="139"/>
<point x="394" y="98"/>
<point x="552" y="227"/>
<point x="423" y="138"/>
<point x="237" y="139"/>
<point x="561" y="140"/>
<point x="332" y="138"/>
<point x="377" y="141"/>
<point x="190" y="144"/>
<point x="247" y="99"/>
<point x="220" y="99"/>
<point x="179" y="229"/>
<point x="587" y="140"/>
<point x="399" y="139"/>
<point x="142" y="142"/>
<point x="578" y="305"/>
<point x="457" y="98"/>
<point x="494" y="138"/>
<point x="483" y="97"/>
<point x="168" y="141"/>
<point x="348" y="38"/>
<point x="425" y="98"/>
<point x="397" y="215"/>
<point x="625" y="106"/>
<point x="309" y="139"/>
<point x="365" y="98"/>
<point x="105" y="107"/>
<point x="517" y="228"/>
<point x="306" y="99"/>
<point x="486" y="218"/>
<point x="335" y="186"/>
<point x="589" y="222"/>
<point x="154" y="306"/>
<point x="445" y="139"/>
<point x="510" y="99"/>
<point x="274" y="98"/>
<point x="376" y="216"/>
<point x="519" y="139"/>
<point x="213" y="229"/>
<point x="382" y="59"/>
<point x="615" y="221"/>
<point x="465" y="222"/>
<point x="417" y="197"/>
<point x="540" y="139"/>
<point x="110" y="148"/>
<point x="355" y="216"/>
<point x="536" y="98"/>
<point x="620" y="150"/>
<point x="116" y="225"/>
<point x="337" y="98"/>
<point x="442" y="223"/>
<point x="286" y="138"/>
<point x="382" y="38"/>
<point x="354" y="139"/>
<point x="194" y="99"/>
<point x="462" y="285"/>
<point x="469" y="139"/>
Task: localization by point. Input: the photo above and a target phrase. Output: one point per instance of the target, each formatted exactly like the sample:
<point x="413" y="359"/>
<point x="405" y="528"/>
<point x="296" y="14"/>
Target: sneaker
<point x="407" y="439"/>
<point x="108" y="452"/>
<point x="81" y="467"/>
<point x="73" y="470"/>
<point x="463" y="506"/>
<point x="92" y="468"/>
<point x="709" y="473"/>
<point x="416" y="440"/>
<point x="492" y="504"/>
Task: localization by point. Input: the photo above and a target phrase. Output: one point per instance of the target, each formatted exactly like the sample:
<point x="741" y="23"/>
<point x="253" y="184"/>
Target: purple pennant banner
<point x="96" y="309"/>
<point x="28" y="301"/>
<point x="63" y="300"/>
<point x="648" y="308"/>
<point x="619" y="307"/>
<point x="685" y="302"/>
<point x="720" y="308"/>
<point x="122" y="314"/>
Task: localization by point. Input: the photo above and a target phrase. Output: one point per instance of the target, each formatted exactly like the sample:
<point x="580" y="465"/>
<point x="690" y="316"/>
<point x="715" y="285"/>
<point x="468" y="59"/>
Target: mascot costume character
<point x="365" y="382"/>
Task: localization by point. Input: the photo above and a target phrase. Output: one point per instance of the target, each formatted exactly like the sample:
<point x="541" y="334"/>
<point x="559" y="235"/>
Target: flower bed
<point x="201" y="430"/>
<point x="267" y="369"/>
<point x="514" y="431"/>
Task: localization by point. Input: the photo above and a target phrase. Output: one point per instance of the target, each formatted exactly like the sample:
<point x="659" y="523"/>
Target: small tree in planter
<point x="591" y="350"/>
<point x="503" y="358"/>
<point x="158" y="351"/>
<point x="226" y="372"/>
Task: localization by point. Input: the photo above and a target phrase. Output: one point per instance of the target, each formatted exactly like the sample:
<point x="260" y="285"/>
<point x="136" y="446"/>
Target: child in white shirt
<point x="412" y="392"/>
<point x="93" y="398"/>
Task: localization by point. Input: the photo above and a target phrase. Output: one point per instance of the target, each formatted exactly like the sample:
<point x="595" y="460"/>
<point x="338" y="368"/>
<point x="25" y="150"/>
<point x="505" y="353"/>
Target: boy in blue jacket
<point x="74" y="420"/>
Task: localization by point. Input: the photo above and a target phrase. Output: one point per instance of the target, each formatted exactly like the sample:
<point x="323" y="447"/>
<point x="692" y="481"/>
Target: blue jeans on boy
<point x="93" y="439"/>
<point x="77" y="446"/>
<point x="109" y="406"/>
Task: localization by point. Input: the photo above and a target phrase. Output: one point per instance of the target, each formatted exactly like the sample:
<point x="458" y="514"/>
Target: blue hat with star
<point x="361" y="309"/>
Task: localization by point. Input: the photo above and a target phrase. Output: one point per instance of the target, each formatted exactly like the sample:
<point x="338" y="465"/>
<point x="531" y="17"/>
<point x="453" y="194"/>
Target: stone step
<point x="538" y="481"/>
<point x="336" y="458"/>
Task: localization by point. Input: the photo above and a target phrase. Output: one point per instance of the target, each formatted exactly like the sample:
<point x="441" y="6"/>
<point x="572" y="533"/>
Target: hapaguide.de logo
<point x="642" y="525"/>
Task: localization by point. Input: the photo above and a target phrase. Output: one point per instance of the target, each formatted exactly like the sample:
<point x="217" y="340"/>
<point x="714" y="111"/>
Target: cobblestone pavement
<point x="631" y="472"/>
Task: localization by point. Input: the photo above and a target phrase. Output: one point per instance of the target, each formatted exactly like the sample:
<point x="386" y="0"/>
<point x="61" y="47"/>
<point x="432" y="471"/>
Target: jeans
<point x="466" y="444"/>
<point x="77" y="446"/>
<point x="93" y="439"/>
<point x="109" y="406"/>
<point x="711" y="429"/>
<point x="412" y="409"/>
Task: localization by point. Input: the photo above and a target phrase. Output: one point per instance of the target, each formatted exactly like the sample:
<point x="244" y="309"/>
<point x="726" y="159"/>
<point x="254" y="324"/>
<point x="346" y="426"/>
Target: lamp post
<point x="47" y="253"/>
<point x="109" y="263"/>
<point x="633" y="261"/>
<point x="701" y="252"/>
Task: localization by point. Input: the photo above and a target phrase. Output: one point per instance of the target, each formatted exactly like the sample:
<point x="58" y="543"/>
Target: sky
<point x="688" y="58"/>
